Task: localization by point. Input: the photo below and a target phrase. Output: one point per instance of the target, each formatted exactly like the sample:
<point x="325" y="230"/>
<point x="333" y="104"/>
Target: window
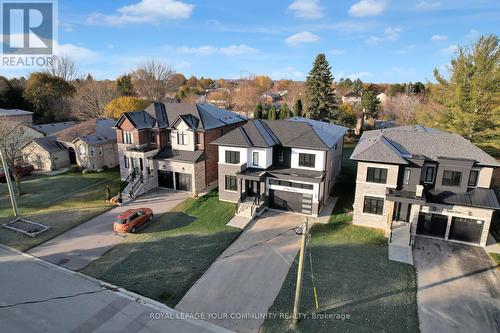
<point x="100" y="150"/>
<point x="451" y="178"/>
<point x="307" y="160"/>
<point x="373" y="205"/>
<point x="169" y="137"/>
<point x="473" y="178"/>
<point x="82" y="150"/>
<point x="376" y="175"/>
<point x="125" y="162"/>
<point x="127" y="137"/>
<point x="429" y="174"/>
<point x="92" y="153"/>
<point x="231" y="183"/>
<point x="197" y="138"/>
<point x="406" y="177"/>
<point x="181" y="138"/>
<point x="290" y="184"/>
<point x="232" y="157"/>
<point x="255" y="158"/>
<point x="152" y="137"/>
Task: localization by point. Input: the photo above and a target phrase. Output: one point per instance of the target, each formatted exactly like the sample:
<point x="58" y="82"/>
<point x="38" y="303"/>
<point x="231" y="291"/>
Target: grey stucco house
<point x="288" y="165"/>
<point x="436" y="182"/>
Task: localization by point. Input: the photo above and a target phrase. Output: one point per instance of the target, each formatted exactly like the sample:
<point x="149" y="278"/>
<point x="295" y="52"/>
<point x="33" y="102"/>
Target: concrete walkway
<point x="458" y="288"/>
<point x="80" y="246"/>
<point x="248" y="275"/>
<point x="36" y="296"/>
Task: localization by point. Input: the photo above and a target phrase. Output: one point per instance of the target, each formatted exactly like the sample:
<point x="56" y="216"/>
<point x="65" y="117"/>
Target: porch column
<point x="390" y="212"/>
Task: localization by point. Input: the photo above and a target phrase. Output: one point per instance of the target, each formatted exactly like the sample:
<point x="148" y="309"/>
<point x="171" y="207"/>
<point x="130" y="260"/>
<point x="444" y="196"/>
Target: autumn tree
<point x="347" y="115"/>
<point x="320" y="101"/>
<point x="91" y="98"/>
<point x="263" y="83"/>
<point x="151" y="80"/>
<point x="122" y="104"/>
<point x="472" y="93"/>
<point x="246" y="96"/>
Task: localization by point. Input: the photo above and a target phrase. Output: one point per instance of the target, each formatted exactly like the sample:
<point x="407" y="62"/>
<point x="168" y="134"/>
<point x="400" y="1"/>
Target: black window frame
<point x="197" y="138"/>
<point x="230" y="183"/>
<point x="451" y="181"/>
<point x="406" y="176"/>
<point x="255" y="161"/>
<point x="307" y="160"/>
<point x="183" y="136"/>
<point x="152" y="137"/>
<point x="476" y="177"/>
<point x="426" y="178"/>
<point x="373" y="205"/>
<point x="376" y="175"/>
<point x="232" y="157"/>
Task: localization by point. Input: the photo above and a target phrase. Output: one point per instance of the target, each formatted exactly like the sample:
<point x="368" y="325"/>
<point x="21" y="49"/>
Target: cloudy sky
<point x="376" y="40"/>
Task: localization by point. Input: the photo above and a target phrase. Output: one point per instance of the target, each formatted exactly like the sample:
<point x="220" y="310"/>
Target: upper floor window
<point x="429" y="174"/>
<point x="406" y="177"/>
<point x="152" y="137"/>
<point x="92" y="153"/>
<point x="232" y="157"/>
<point x="451" y="178"/>
<point x="197" y="138"/>
<point x="82" y="150"/>
<point x="100" y="150"/>
<point x="255" y="158"/>
<point x="376" y="175"/>
<point x="473" y="178"/>
<point x="307" y="160"/>
<point x="181" y="138"/>
<point x="127" y="137"/>
<point x="169" y="137"/>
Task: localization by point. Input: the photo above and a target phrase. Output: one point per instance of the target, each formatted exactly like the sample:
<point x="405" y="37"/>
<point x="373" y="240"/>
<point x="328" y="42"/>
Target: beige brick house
<point x="434" y="183"/>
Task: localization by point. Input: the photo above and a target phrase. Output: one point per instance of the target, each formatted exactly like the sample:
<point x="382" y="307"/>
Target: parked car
<point x="132" y="220"/>
<point x="22" y="170"/>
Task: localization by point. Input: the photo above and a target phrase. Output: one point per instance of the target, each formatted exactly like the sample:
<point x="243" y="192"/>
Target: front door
<point x="252" y="188"/>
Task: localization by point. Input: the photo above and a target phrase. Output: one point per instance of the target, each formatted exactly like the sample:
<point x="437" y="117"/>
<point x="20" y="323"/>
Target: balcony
<point x="144" y="148"/>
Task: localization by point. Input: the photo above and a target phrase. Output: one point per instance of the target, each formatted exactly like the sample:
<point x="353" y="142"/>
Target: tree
<point x="272" y="113"/>
<point x="320" y="101"/>
<point x="49" y="96"/>
<point x="62" y="67"/>
<point x="347" y="116"/>
<point x="151" y="80"/>
<point x="403" y="108"/>
<point x="370" y="103"/>
<point x="124" y="85"/>
<point x="263" y="83"/>
<point x="246" y="97"/>
<point x="472" y="93"/>
<point x="257" y="113"/>
<point x="122" y="104"/>
<point x="297" y="108"/>
<point x="357" y="86"/>
<point x="91" y="98"/>
<point x="284" y="111"/>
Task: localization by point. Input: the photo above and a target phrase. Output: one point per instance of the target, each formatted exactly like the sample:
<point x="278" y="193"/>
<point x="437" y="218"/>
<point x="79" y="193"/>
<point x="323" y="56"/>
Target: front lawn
<point x="354" y="278"/>
<point x="60" y="202"/>
<point x="167" y="257"/>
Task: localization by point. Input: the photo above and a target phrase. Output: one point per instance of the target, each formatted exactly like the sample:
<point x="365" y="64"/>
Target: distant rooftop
<point x="54" y="127"/>
<point x="90" y="131"/>
<point x="14" y="112"/>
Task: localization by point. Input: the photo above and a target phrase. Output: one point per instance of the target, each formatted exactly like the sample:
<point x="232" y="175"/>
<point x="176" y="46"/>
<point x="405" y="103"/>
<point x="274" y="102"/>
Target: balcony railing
<point x="143" y="148"/>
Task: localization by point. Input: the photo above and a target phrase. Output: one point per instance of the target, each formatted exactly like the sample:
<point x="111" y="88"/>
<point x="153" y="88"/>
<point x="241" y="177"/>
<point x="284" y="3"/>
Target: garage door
<point x="466" y="230"/>
<point x="165" y="179"/>
<point x="290" y="201"/>
<point x="183" y="181"/>
<point x="432" y="225"/>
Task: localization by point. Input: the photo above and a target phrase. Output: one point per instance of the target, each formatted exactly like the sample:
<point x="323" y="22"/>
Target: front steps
<point x="400" y="246"/>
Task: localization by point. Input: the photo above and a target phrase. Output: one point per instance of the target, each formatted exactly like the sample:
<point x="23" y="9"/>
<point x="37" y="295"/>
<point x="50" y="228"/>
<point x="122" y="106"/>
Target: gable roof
<point x="53" y="127"/>
<point x="199" y="116"/>
<point x="295" y="132"/>
<point x="90" y="131"/>
<point x="47" y="143"/>
<point x="401" y="144"/>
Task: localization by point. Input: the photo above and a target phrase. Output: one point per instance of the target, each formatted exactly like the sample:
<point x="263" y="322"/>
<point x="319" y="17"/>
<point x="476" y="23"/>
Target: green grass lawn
<point x="352" y="274"/>
<point x="166" y="258"/>
<point x="60" y="202"/>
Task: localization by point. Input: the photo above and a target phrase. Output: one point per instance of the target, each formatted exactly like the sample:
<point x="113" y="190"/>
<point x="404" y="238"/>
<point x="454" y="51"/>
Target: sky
<point x="375" y="40"/>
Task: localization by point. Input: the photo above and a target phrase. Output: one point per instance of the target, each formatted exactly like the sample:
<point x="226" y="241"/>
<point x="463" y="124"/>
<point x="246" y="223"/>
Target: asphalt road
<point x="247" y="277"/>
<point x="458" y="288"/>
<point x="85" y="243"/>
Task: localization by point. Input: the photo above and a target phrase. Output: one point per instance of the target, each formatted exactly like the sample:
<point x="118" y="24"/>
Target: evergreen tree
<point x="357" y="86"/>
<point x="297" y="108"/>
<point x="370" y="102"/>
<point x="320" y="101"/>
<point x="124" y="85"/>
<point x="471" y="93"/>
<point x="257" y="113"/>
<point x="272" y="113"/>
<point x="284" y="111"/>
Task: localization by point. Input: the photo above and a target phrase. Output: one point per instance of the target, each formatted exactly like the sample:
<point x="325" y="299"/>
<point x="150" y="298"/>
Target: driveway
<point x="458" y="288"/>
<point x="80" y="246"/>
<point x="36" y="296"/>
<point x="248" y="275"/>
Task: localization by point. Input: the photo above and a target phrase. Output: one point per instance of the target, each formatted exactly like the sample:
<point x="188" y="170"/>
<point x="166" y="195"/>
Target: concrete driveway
<point x="458" y="288"/>
<point x="248" y="275"/>
<point x="80" y="246"/>
<point x="36" y="296"/>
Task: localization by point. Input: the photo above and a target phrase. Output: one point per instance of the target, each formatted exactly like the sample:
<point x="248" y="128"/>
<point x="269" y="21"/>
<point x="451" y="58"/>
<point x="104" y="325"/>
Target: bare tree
<point x="152" y="80"/>
<point x="403" y="108"/>
<point x="63" y="67"/>
<point x="246" y="96"/>
<point x="12" y="138"/>
<point x="91" y="97"/>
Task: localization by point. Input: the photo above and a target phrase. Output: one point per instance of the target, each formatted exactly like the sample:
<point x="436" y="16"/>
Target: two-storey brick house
<point x="167" y="145"/>
<point x="435" y="181"/>
<point x="288" y="165"/>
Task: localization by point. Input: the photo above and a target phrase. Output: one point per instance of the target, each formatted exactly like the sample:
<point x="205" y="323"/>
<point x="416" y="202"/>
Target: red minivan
<point x="132" y="220"/>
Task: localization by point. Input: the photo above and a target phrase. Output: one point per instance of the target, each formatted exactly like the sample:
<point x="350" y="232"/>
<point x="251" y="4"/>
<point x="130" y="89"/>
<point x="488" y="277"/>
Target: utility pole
<point x="9" y="183"/>
<point x="298" y="288"/>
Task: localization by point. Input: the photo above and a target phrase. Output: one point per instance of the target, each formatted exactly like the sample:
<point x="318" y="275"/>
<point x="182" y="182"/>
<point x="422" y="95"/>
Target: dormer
<point x="184" y="132"/>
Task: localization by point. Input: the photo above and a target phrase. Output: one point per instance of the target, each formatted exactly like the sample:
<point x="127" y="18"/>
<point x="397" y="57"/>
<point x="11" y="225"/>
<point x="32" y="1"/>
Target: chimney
<point x="419" y="191"/>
